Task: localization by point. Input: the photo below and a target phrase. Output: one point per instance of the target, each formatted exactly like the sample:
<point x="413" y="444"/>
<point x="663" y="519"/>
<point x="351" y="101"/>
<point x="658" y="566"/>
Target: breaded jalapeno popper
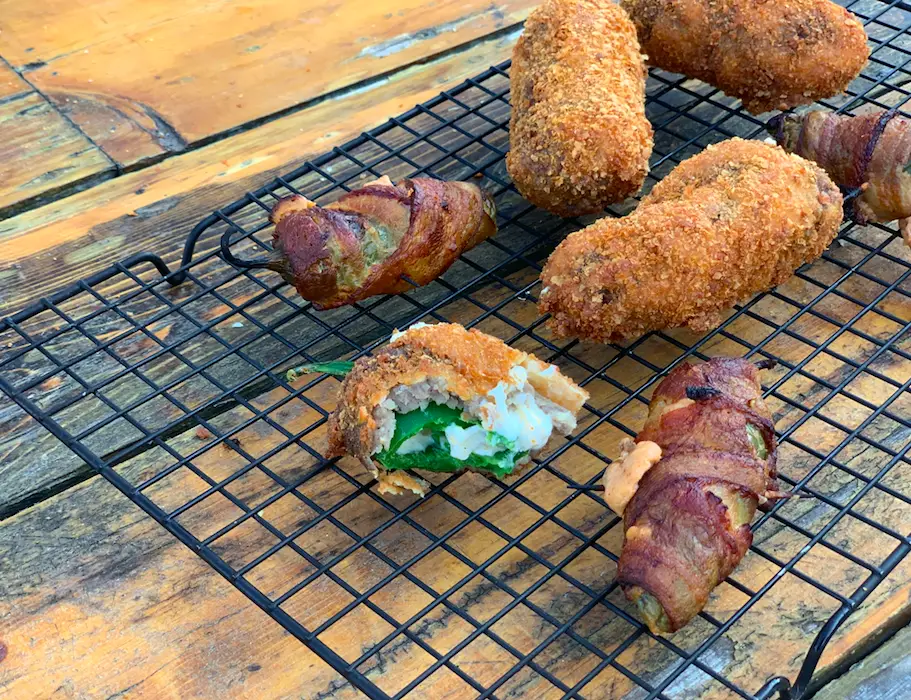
<point x="870" y="151"/>
<point x="736" y="219"/>
<point x="445" y="399"/>
<point x="772" y="55"/>
<point x="578" y="134"/>
<point x="689" y="487"/>
<point x="366" y="242"/>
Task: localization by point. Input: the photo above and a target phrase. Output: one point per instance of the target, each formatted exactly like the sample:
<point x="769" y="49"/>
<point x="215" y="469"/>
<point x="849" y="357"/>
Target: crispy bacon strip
<point x="367" y="241"/>
<point x="871" y="151"/>
<point x="688" y="525"/>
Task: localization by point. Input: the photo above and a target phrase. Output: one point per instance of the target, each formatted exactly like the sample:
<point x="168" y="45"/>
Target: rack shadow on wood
<point x="485" y="587"/>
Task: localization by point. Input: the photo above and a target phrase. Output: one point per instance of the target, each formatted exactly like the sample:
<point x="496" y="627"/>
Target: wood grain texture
<point x="99" y="602"/>
<point x="91" y="578"/>
<point x="40" y="151"/>
<point x="153" y="209"/>
<point x="146" y="79"/>
<point x="886" y="673"/>
<point x="87" y="575"/>
<point x="10" y="82"/>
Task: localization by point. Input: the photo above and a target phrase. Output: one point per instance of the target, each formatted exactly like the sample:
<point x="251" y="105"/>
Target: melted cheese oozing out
<point x="398" y="334"/>
<point x="621" y="478"/>
<point x="464" y="442"/>
<point x="416" y="443"/>
<point x="509" y="409"/>
<point x="516" y="416"/>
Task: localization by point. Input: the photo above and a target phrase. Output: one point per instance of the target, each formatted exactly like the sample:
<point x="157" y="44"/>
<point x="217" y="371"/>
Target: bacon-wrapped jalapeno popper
<point x="366" y="242"/>
<point x="871" y="151"/>
<point x="689" y="487"/>
<point x="444" y="399"/>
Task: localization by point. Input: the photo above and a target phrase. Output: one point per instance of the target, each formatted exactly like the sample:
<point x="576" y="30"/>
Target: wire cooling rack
<point x="172" y="385"/>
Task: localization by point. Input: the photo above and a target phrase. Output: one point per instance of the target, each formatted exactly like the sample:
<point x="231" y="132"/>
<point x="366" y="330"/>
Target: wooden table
<point x="123" y="124"/>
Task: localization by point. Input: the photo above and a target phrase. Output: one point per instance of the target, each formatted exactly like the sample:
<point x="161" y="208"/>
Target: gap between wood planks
<point x="15" y="91"/>
<point x="339" y="94"/>
<point x="849" y="670"/>
<point x="369" y="84"/>
<point x="882" y="673"/>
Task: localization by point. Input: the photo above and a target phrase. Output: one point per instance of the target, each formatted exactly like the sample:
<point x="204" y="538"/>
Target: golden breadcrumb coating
<point x="734" y="220"/>
<point x="470" y="363"/>
<point x="771" y="54"/>
<point x="578" y="132"/>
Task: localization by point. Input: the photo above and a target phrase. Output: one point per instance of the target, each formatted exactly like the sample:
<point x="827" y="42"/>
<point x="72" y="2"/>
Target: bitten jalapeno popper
<point x="689" y="487"/>
<point x="370" y="239"/>
<point x="442" y="398"/>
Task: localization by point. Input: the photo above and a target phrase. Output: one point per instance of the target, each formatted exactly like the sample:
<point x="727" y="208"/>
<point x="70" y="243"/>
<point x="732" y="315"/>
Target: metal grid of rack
<point x="486" y="586"/>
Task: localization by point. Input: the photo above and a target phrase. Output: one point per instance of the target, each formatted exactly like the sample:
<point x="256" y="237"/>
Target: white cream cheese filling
<point x="509" y="410"/>
<point x="416" y="443"/>
<point x="463" y="442"/>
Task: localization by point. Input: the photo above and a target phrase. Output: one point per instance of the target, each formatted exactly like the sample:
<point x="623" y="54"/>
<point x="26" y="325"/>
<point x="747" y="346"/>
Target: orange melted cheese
<point x="621" y="478"/>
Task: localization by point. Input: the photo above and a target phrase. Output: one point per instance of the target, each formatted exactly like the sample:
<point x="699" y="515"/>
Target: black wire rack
<point x="172" y="385"/>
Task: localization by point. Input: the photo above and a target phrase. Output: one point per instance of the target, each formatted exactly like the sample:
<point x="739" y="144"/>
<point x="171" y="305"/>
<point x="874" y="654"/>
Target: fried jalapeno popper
<point x="772" y="55"/>
<point x="689" y="487"/>
<point x="579" y="138"/>
<point x="870" y="151"/>
<point x="444" y="399"/>
<point x="734" y="220"/>
<point x="367" y="241"/>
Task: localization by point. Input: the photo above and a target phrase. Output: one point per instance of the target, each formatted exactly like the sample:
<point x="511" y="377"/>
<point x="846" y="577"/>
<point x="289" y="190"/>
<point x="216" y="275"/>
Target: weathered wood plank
<point x="780" y="627"/>
<point x="154" y="209"/>
<point x="10" y="82"/>
<point x="41" y="152"/>
<point x="86" y="561"/>
<point x="771" y="638"/>
<point x="99" y="602"/>
<point x="794" y="604"/>
<point x="145" y="81"/>
<point x="776" y="632"/>
<point x="886" y="673"/>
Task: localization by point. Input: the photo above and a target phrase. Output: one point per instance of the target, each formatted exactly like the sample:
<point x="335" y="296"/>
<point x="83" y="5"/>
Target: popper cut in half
<point x="445" y="399"/>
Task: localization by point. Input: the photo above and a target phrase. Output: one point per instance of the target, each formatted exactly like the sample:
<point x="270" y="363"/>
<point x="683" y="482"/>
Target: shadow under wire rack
<point x="172" y="385"/>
